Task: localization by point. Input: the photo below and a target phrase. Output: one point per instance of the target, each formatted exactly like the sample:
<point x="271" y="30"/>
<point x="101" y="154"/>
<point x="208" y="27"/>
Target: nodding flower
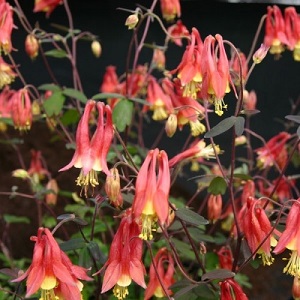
<point x="151" y="200"/>
<point x="6" y="27"/>
<point x="90" y="154"/>
<point x="170" y="9"/>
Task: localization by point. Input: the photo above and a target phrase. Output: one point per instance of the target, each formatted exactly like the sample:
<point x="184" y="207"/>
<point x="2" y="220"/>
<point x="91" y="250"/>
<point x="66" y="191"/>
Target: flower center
<point x="293" y="266"/>
<point x="90" y="179"/>
<point x="148" y="225"/>
<point x="48" y="295"/>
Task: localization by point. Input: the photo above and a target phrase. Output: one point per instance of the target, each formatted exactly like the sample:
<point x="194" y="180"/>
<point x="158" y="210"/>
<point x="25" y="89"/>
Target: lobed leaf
<point x="221" y="127"/>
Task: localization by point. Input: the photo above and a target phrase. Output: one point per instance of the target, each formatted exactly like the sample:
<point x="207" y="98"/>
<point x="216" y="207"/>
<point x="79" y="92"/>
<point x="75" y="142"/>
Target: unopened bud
<point x="52" y="190"/>
<point x="3" y="127"/>
<point x="96" y="48"/>
<point x="113" y="188"/>
<point x="171" y="125"/>
<point x="35" y="108"/>
<point x="31" y="46"/>
<point x="240" y="140"/>
<point x="260" y="54"/>
<point x="132" y="21"/>
<point x="20" y="173"/>
<point x="214" y="207"/>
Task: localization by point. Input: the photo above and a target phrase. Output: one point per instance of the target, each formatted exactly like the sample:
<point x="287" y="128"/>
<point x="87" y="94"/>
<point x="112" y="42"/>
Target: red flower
<point x="151" y="201"/>
<point x="6" y="27"/>
<point x="164" y="273"/>
<point x="274" y="151"/>
<point x="215" y="72"/>
<point x="160" y="102"/>
<point x="198" y="149"/>
<point x="159" y="59"/>
<point x="124" y="261"/>
<point x="189" y="70"/>
<point x="231" y="290"/>
<point x="290" y="239"/>
<point x="46" y="6"/>
<point x="292" y="29"/>
<point x="36" y="170"/>
<point x="90" y="154"/>
<point x="21" y="109"/>
<point x="177" y="32"/>
<point x="170" y="9"/>
<point x="225" y="258"/>
<point x="275" y="36"/>
<point x="52" y="271"/>
<point x="235" y="66"/>
<point x="5" y="102"/>
<point x="257" y="227"/>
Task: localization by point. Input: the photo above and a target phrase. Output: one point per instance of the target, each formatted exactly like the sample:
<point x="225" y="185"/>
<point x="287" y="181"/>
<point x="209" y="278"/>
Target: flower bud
<point x="132" y="21"/>
<point x="113" y="188"/>
<point x="52" y="190"/>
<point x="35" y="108"/>
<point x="260" y="54"/>
<point x="171" y="125"/>
<point x="214" y="207"/>
<point x="31" y="46"/>
<point x="240" y="140"/>
<point x="20" y="173"/>
<point x="96" y="48"/>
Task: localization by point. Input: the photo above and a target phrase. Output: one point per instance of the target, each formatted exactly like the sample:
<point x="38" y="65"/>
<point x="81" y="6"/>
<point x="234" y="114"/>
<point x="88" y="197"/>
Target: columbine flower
<point x="215" y="72"/>
<point x="90" y="154"/>
<point x="6" y="27"/>
<point x="274" y="151"/>
<point x="21" y="110"/>
<point x="36" y="169"/>
<point x="152" y="192"/>
<point x="197" y="150"/>
<point x="160" y="102"/>
<point x="5" y="102"/>
<point x="170" y="9"/>
<point x="290" y="239"/>
<point x="165" y="274"/>
<point x="189" y="70"/>
<point x="7" y="75"/>
<point x="46" y="6"/>
<point x="236" y="66"/>
<point x="257" y="227"/>
<point x="292" y="29"/>
<point x="225" y="258"/>
<point x="260" y="54"/>
<point x="231" y="290"/>
<point x="249" y="100"/>
<point x="51" y="271"/>
<point x="275" y="36"/>
<point x="124" y="261"/>
<point x="177" y="32"/>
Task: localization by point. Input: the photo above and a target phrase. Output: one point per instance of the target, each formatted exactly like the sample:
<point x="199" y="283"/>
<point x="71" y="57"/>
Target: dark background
<point x="276" y="83"/>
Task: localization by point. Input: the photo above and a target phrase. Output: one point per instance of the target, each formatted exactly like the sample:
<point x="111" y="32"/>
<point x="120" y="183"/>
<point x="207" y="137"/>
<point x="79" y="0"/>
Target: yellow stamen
<point x="267" y="259"/>
<point x="293" y="266"/>
<point x="91" y="178"/>
<point x="120" y="292"/>
<point x="148" y="225"/>
<point x="197" y="128"/>
<point x="48" y="295"/>
<point x="191" y="89"/>
<point x="219" y="105"/>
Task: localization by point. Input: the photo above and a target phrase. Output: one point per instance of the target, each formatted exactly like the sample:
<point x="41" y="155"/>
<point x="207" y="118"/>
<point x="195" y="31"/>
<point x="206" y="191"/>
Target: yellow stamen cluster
<point x="191" y="89"/>
<point x="90" y="179"/>
<point x="148" y="225"/>
<point x="120" y="292"/>
<point x="197" y="128"/>
<point x="48" y="295"/>
<point x="219" y="106"/>
<point x="293" y="266"/>
<point x="267" y="259"/>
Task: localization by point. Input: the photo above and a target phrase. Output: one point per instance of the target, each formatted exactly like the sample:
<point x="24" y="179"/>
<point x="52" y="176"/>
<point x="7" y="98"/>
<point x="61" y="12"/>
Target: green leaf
<point x="190" y="217"/>
<point x="73" y="93"/>
<point x="54" y="104"/>
<point x="218" y="274"/>
<point x="122" y="114"/>
<point x="49" y="87"/>
<point x="70" y="117"/>
<point x="73" y="244"/>
<point x="184" y="249"/>
<point x="57" y="53"/>
<point x="217" y="186"/>
<point x="102" y="96"/>
<point x="239" y="126"/>
<point x="96" y="252"/>
<point x="15" y="219"/>
<point x="223" y="126"/>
